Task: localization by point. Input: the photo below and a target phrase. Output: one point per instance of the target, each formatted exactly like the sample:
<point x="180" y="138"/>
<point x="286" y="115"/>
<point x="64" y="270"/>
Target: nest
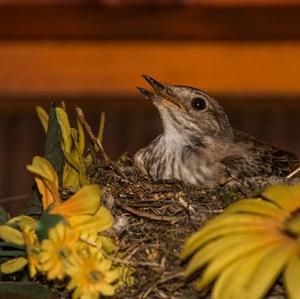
<point x="153" y="219"/>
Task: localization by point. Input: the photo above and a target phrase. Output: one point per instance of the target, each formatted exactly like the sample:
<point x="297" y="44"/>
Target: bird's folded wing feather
<point x="259" y="159"/>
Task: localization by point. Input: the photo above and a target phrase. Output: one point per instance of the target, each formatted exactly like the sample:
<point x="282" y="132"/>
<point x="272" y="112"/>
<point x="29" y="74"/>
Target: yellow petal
<point x="293" y="225"/>
<point x="65" y="127"/>
<point x="46" y="179"/>
<point x="81" y="137"/>
<point x="268" y="271"/>
<point x="70" y="177"/>
<point x="32" y="270"/>
<point x="22" y="221"/>
<point x="11" y="235"/>
<point x="99" y="222"/>
<point x="291" y="277"/>
<point x="107" y="244"/>
<point x="125" y="276"/>
<point x="214" y="248"/>
<point x="85" y="202"/>
<point x="13" y="265"/>
<point x="233" y="281"/>
<point x="43" y="117"/>
<point x="104" y="219"/>
<point x="106" y="289"/>
<point x="88" y="160"/>
<point x="73" y="158"/>
<point x="81" y="167"/>
<point x="112" y="276"/>
<point x="101" y="127"/>
<point x="256" y="206"/>
<point x="224" y="224"/>
<point x="227" y="257"/>
<point x="43" y="168"/>
<point x="48" y="192"/>
<point x="223" y="287"/>
<point x="63" y="105"/>
<point x="287" y="197"/>
<point x="105" y="265"/>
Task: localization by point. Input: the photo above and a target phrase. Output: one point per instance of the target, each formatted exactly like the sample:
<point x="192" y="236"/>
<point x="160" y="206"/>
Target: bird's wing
<point x="259" y="159"/>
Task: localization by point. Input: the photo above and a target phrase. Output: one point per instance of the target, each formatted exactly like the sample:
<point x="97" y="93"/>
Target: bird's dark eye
<point x="199" y="104"/>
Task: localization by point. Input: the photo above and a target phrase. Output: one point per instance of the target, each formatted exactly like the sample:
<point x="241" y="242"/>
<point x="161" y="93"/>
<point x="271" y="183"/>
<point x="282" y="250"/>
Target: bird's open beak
<point x="159" y="90"/>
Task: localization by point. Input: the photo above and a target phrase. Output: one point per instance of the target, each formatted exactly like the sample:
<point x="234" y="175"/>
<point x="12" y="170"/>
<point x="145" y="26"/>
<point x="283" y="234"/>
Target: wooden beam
<point x="115" y="68"/>
<point x="250" y="20"/>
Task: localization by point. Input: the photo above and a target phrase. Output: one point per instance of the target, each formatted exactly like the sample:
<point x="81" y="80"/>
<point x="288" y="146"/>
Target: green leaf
<point x="46" y="222"/>
<point x="23" y="290"/>
<point x="34" y="206"/>
<point x="12" y="253"/>
<point x="55" y="156"/>
<point x="12" y="245"/>
<point x="54" y="153"/>
<point x="3" y="216"/>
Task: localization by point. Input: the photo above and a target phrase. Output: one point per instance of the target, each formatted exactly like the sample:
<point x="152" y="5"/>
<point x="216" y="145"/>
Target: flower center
<point x="95" y="276"/>
<point x="64" y="253"/>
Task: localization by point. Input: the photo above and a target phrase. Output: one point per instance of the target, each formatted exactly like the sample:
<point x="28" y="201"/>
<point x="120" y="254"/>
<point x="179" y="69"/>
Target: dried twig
<point x="293" y="173"/>
<point x="97" y="142"/>
<point x="135" y="263"/>
<point x="123" y="261"/>
<point x="177" y="275"/>
<point x="147" y="215"/>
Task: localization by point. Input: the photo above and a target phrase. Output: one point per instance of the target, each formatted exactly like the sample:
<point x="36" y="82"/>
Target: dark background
<point x="92" y="54"/>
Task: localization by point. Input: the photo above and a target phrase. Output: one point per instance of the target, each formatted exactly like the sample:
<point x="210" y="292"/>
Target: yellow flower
<point x="46" y="180"/>
<point x="91" y="276"/>
<point x="86" y="201"/>
<point x="58" y="250"/>
<point x="81" y="210"/>
<point x="248" y="246"/>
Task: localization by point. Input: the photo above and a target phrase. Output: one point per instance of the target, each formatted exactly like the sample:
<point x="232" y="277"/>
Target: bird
<point x="198" y="145"/>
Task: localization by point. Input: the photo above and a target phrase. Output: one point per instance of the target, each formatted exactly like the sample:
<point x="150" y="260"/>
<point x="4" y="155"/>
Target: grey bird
<point x="198" y="145"/>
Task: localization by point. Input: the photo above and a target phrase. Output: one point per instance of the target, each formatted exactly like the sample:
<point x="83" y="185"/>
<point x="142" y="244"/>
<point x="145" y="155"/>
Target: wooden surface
<point x="91" y="53"/>
<point x="265" y="21"/>
<point x="115" y="68"/>
<point x="161" y="2"/>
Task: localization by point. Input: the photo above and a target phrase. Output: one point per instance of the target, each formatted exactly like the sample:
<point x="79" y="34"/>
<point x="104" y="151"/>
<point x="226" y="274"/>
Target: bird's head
<point x="188" y="112"/>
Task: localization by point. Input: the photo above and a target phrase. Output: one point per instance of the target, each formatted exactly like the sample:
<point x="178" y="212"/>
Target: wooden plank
<point x="115" y="68"/>
<point x="151" y="22"/>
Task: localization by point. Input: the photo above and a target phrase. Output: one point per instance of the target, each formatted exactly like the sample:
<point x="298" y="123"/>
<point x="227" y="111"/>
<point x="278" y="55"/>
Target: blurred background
<point x="92" y="54"/>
